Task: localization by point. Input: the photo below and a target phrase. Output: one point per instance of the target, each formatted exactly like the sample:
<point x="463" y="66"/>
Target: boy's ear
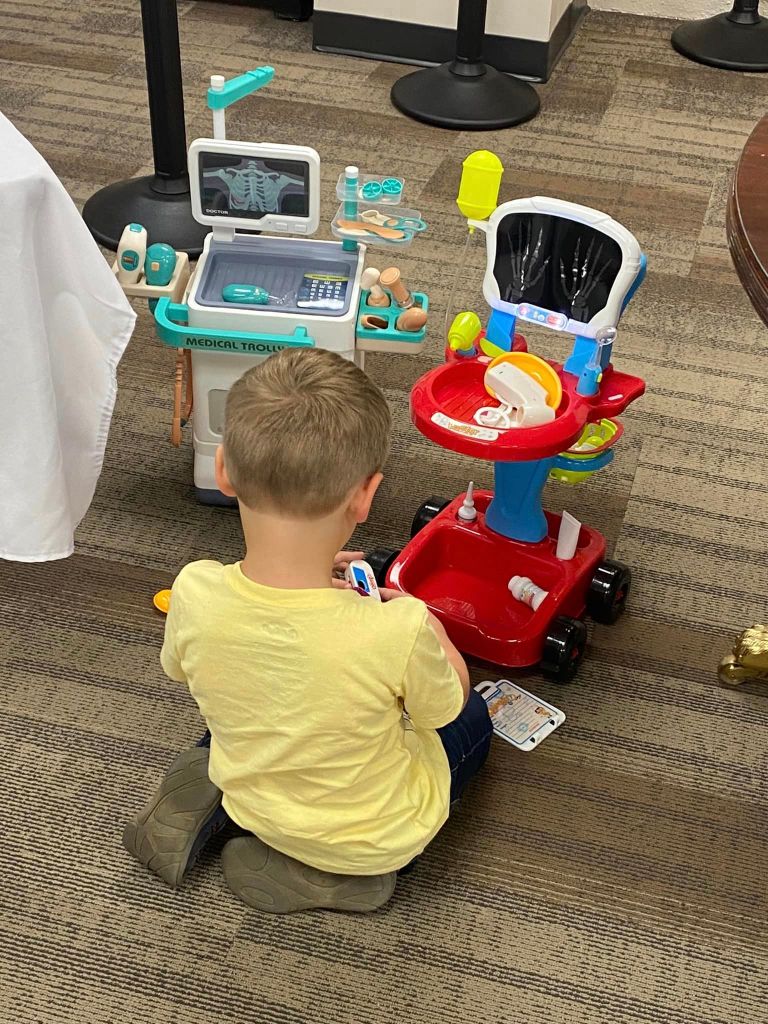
<point x="222" y="479"/>
<point x="363" y="497"/>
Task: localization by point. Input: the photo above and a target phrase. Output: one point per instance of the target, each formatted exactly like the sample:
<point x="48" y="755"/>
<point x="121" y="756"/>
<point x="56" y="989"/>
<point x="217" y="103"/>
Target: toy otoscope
<point x="477" y="199"/>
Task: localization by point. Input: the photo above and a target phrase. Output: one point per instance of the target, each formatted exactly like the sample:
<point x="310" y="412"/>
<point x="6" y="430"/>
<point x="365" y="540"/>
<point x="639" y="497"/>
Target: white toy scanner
<point x="523" y="400"/>
<point x="255" y="293"/>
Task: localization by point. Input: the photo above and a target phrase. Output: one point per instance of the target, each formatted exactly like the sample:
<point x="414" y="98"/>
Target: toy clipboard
<point x="519" y="717"/>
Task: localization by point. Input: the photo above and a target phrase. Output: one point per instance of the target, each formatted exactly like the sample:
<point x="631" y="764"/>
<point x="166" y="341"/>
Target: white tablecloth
<point x="64" y="324"/>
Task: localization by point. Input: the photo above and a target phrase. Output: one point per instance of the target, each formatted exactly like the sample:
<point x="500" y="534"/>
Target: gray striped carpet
<point x="617" y="874"/>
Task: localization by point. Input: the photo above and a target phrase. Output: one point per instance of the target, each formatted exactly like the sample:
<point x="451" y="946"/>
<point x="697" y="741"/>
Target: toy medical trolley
<point x="253" y="294"/>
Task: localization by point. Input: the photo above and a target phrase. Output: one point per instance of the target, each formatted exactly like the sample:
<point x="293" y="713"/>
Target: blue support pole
<point x="583" y="351"/>
<point x="516" y="511"/>
<point x="501" y="329"/>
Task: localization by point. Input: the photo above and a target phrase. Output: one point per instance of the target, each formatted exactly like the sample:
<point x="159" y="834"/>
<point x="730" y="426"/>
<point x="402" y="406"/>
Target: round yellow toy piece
<point x="594" y="435"/>
<point x="537" y="368"/>
<point x="162" y="601"/>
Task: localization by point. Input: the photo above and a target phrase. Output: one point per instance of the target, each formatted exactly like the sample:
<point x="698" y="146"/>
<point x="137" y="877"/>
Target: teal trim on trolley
<point x="172" y="326"/>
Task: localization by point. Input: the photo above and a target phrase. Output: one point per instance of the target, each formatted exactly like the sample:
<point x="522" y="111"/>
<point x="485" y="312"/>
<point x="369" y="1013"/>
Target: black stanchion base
<point x="473" y="102"/>
<point x="722" y="43"/>
<point x="167" y="215"/>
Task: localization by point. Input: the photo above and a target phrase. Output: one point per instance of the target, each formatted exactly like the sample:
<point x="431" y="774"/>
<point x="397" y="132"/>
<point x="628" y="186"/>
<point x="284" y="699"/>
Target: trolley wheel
<point x="608" y="592"/>
<point x="380" y="560"/>
<point x="564" y="647"/>
<point x="426" y="513"/>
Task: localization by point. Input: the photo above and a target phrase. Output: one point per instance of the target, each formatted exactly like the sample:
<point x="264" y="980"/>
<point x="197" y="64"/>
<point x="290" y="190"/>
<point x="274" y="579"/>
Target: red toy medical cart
<point x="510" y="582"/>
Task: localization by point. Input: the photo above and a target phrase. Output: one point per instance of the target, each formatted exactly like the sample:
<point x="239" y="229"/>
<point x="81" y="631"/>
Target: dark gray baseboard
<point x="290" y="10"/>
<point x="404" y="43"/>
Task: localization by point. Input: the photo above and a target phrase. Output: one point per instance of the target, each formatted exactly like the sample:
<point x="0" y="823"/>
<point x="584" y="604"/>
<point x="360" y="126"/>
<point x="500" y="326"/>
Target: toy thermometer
<point x="360" y="576"/>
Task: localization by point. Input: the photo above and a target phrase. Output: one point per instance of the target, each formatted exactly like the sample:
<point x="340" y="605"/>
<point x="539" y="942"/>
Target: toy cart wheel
<point x="426" y="513"/>
<point x="564" y="647"/>
<point x="380" y="561"/>
<point x="608" y="592"/>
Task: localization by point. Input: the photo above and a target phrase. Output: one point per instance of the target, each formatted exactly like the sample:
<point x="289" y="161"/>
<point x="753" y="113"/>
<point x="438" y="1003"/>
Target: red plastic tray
<point x="444" y="400"/>
<point x="461" y="571"/>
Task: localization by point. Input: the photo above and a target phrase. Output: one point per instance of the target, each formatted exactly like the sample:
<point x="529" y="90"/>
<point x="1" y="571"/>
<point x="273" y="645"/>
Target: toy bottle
<point x="525" y="590"/>
<point x="463" y="333"/>
<point x="131" y="252"/>
<point x="467" y="512"/>
<point x="480" y="183"/>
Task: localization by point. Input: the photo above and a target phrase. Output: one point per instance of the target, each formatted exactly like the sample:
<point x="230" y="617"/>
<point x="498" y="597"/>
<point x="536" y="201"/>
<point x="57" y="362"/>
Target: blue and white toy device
<point x="254" y="294"/>
<point x="159" y="264"/>
<point x="360" y="576"/>
<point x="131" y="250"/>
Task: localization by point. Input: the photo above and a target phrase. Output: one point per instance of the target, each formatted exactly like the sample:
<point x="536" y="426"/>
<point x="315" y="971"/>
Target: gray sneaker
<point x="181" y="816"/>
<point x="277" y="884"/>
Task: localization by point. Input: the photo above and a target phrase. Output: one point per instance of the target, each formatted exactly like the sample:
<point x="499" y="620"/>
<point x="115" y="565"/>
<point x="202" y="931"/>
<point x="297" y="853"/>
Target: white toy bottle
<point x="131" y="253"/>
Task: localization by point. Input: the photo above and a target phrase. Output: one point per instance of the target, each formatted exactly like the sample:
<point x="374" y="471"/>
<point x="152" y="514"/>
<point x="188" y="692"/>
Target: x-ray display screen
<point x="244" y="186"/>
<point x="555" y="263"/>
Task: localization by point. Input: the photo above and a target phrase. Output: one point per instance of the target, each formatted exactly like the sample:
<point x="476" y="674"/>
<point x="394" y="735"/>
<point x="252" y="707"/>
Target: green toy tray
<point x="390" y="314"/>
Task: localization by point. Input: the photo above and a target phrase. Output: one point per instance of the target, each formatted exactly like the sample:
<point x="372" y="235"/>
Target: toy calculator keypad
<point x="322" y="291"/>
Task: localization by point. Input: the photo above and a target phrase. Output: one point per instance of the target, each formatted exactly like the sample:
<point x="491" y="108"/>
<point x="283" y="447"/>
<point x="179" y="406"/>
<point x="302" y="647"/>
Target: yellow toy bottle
<point x="480" y="183"/>
<point x="463" y="332"/>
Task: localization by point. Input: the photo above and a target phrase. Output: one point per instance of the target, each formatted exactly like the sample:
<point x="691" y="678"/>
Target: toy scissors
<point x="385" y="220"/>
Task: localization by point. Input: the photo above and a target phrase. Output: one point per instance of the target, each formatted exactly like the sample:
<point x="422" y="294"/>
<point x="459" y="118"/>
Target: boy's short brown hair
<point x="302" y="428"/>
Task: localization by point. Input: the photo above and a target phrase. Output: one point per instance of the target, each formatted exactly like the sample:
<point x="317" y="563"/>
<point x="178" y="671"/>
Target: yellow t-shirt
<point x="303" y="691"/>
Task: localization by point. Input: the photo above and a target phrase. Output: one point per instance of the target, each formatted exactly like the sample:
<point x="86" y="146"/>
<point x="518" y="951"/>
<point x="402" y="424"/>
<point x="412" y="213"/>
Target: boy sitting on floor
<point x="303" y="683"/>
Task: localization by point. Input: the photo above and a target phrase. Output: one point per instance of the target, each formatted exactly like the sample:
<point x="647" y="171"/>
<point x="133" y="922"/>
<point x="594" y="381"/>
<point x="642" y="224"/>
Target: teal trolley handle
<point x="172" y="326"/>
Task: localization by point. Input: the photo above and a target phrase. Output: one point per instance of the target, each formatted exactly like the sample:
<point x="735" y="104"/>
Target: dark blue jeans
<point x="467" y="741"/>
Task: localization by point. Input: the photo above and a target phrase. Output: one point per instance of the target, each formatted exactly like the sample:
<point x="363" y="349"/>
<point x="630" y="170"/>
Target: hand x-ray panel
<point x="555" y="263"/>
<point x="565" y="266"/>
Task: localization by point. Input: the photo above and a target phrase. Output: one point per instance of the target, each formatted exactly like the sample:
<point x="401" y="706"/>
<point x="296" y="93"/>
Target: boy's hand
<point x="340" y="564"/>
<point x="389" y="593"/>
<point x="342" y="559"/>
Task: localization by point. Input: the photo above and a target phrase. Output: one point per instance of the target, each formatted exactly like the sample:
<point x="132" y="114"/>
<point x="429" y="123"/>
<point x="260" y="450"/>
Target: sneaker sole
<point x="175" y="824"/>
<point x="276" y="884"/>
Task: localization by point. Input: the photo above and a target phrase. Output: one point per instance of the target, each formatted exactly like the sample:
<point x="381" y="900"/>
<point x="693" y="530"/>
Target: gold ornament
<point x="749" y="660"/>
